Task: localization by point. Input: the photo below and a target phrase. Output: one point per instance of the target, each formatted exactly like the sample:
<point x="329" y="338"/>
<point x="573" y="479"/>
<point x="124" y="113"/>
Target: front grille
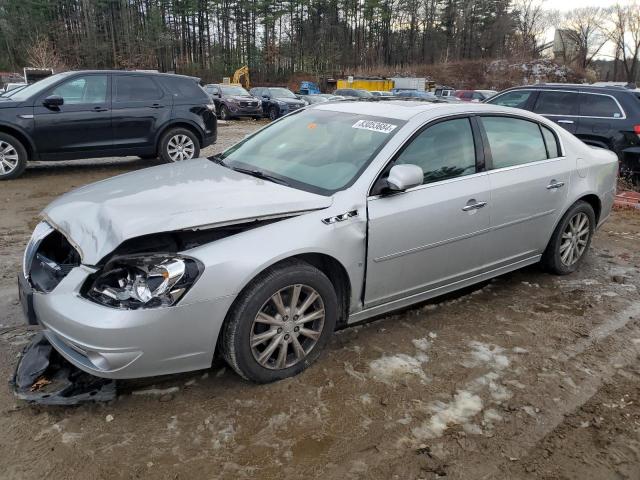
<point x="248" y="104"/>
<point x="54" y="257"/>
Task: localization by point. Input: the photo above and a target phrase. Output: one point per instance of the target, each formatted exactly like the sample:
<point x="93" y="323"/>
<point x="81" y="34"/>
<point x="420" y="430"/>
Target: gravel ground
<point x="527" y="376"/>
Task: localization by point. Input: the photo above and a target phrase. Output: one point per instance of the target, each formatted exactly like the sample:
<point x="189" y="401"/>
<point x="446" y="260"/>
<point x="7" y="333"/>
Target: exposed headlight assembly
<point x="143" y="281"/>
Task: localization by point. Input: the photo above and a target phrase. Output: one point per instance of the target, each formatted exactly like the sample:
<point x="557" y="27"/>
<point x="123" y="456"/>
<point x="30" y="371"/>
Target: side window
<point x="478" y="96"/>
<point x="557" y="103"/>
<point x="91" y="89"/>
<point x="444" y="150"/>
<point x="515" y="99"/>
<point x="514" y="141"/>
<point x="130" y="88"/>
<point x="552" y="143"/>
<point x="183" y="87"/>
<point x="592" y="105"/>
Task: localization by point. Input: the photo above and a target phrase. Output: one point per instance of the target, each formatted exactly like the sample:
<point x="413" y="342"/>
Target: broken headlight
<point x="143" y="281"/>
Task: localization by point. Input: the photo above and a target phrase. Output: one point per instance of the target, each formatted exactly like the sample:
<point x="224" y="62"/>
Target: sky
<point x="571" y="4"/>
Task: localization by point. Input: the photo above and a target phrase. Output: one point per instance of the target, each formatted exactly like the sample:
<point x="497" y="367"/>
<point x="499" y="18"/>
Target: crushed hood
<point x="181" y="196"/>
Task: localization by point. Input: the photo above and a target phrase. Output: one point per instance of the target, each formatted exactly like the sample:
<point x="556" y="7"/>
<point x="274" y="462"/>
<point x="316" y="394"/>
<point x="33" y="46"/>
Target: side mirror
<point x="53" y="101"/>
<point x="403" y="177"/>
<point x="266" y="97"/>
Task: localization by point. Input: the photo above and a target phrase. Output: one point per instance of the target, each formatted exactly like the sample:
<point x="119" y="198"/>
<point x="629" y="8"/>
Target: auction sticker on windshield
<point x="374" y="126"/>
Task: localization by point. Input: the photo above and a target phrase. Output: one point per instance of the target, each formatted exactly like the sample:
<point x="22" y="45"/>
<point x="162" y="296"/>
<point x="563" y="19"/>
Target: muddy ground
<point x="528" y="376"/>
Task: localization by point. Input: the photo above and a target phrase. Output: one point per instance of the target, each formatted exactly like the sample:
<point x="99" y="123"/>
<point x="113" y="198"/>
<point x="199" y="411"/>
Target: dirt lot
<point x="528" y="376"/>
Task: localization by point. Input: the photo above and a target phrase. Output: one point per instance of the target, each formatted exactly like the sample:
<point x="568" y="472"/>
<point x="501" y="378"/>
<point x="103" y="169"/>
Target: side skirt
<point x="435" y="292"/>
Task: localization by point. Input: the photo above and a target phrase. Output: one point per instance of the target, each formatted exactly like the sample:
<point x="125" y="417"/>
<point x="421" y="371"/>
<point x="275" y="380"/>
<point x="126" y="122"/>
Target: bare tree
<point x="584" y="28"/>
<point x="624" y="32"/>
<point x="532" y="21"/>
<point x="41" y="54"/>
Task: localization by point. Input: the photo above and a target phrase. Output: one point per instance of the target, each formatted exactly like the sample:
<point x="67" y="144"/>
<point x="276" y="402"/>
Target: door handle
<point x="156" y="105"/>
<point x="566" y="121"/>
<point x="100" y="109"/>
<point x="555" y="185"/>
<point x="474" y="206"/>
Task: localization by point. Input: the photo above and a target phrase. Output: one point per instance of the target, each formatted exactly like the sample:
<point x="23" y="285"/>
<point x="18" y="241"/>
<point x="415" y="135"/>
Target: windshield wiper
<point x="217" y="158"/>
<point x="260" y="174"/>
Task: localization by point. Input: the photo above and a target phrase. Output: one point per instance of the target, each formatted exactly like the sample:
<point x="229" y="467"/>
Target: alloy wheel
<point x="8" y="158"/>
<point x="180" y="147"/>
<point x="575" y="238"/>
<point x="287" y="327"/>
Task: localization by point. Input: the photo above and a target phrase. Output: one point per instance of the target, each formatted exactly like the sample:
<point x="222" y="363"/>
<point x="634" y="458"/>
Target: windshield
<point x="13" y="91"/>
<point x="281" y="92"/>
<point x="239" y="91"/>
<point x="363" y="93"/>
<point x="315" y="150"/>
<point x="35" y="88"/>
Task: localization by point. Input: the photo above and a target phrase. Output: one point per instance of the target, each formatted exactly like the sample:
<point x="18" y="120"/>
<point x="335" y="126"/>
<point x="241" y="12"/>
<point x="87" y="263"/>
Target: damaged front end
<point x="44" y="377"/>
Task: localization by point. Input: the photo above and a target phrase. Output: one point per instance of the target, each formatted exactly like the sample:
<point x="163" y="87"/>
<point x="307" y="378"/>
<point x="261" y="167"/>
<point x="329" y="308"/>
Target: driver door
<point x="435" y="234"/>
<point x="79" y="126"/>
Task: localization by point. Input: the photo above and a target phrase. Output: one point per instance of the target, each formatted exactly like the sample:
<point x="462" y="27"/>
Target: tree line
<point x="278" y="38"/>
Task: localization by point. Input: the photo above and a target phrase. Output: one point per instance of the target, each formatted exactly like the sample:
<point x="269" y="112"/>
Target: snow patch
<point x="489" y="354"/>
<point x="462" y="408"/>
<point x="390" y="368"/>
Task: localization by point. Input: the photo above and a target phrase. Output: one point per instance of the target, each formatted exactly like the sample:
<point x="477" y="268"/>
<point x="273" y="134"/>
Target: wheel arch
<point x="192" y="127"/>
<point x="22" y="137"/>
<point x="327" y="264"/>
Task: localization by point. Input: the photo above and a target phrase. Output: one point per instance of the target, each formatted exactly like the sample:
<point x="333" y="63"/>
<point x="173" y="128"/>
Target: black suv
<point x="277" y="101"/>
<point x="607" y="117"/>
<point x="92" y="114"/>
<point x="233" y="101"/>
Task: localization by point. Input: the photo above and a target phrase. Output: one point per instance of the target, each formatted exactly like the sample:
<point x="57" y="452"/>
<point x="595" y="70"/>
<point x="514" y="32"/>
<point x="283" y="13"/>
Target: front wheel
<point x="13" y="157"/>
<point x="570" y="240"/>
<point x="273" y="113"/>
<point x="280" y="323"/>
<point x="179" y="144"/>
<point x="225" y="114"/>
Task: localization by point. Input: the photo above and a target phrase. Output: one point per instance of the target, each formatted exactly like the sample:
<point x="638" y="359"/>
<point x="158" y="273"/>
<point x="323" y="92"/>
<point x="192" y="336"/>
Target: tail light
<point x="636" y="129"/>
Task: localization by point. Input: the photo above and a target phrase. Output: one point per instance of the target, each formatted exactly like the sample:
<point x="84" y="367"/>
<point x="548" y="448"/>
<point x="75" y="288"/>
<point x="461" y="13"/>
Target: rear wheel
<point x="13" y="157"/>
<point x="570" y="240"/>
<point x="179" y="144"/>
<point x="281" y="322"/>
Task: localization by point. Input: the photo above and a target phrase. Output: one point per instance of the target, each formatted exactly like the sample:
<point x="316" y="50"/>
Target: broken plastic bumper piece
<point x="43" y="376"/>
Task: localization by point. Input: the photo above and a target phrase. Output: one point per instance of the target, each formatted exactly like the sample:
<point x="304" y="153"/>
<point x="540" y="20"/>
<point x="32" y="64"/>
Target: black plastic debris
<point x="44" y="377"/>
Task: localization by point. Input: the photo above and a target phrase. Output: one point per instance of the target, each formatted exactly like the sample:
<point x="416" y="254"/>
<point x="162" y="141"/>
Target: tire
<point x="13" y="157"/>
<point x="172" y="139"/>
<point x="564" y="239"/>
<point x="225" y="114"/>
<point x="242" y="327"/>
<point x="273" y="113"/>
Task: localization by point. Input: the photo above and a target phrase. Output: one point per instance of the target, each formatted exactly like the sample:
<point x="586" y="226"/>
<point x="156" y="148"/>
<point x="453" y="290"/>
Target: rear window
<point x="592" y="105"/>
<point x="514" y="141"/>
<point x="184" y="88"/>
<point x="557" y="103"/>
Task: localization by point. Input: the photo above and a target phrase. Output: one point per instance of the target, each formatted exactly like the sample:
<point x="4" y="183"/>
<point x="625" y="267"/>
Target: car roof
<point x="574" y="87"/>
<point x="405" y="110"/>
<point x="132" y="72"/>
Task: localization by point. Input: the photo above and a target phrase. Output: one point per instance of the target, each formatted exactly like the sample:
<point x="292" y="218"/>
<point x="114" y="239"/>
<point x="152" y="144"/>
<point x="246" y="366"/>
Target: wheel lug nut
<point x="286" y="337"/>
<point x="280" y="330"/>
<point x="295" y="317"/>
<point x="296" y="329"/>
<point x="286" y="317"/>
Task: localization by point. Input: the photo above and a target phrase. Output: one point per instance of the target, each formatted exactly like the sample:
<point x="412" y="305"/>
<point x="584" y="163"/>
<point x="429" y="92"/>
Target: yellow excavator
<point x="237" y="77"/>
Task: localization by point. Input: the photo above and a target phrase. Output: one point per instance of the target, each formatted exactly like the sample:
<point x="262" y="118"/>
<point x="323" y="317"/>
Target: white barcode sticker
<point x="374" y="126"/>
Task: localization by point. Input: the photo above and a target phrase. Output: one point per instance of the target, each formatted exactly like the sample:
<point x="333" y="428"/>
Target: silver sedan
<point x="328" y="216"/>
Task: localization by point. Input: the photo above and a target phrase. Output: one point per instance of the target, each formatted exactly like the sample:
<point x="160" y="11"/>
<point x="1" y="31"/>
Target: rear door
<point x="529" y="180"/>
<point x="600" y="118"/>
<point x="560" y="106"/>
<point x="140" y="107"/>
<point x="434" y="234"/>
<point x="82" y="125"/>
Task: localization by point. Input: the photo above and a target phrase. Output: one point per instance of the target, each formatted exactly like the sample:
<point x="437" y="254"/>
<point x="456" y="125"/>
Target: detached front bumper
<point x="113" y="343"/>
